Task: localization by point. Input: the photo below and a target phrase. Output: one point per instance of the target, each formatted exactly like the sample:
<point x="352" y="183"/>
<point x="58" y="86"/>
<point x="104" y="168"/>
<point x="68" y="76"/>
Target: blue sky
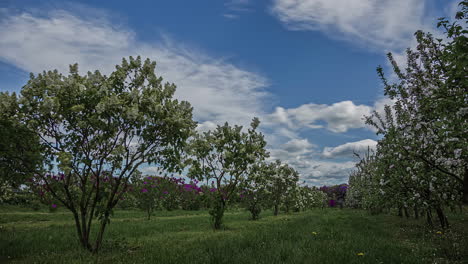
<point x="306" y="68"/>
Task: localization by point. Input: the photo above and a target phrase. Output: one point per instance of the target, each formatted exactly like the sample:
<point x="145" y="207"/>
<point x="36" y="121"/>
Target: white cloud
<point x="339" y="117"/>
<point x="218" y="90"/>
<point x="304" y="157"/>
<point x="206" y="126"/>
<point x="328" y="173"/>
<point x="348" y="149"/>
<point x="376" y="23"/>
<point x="298" y="146"/>
<point x="313" y="170"/>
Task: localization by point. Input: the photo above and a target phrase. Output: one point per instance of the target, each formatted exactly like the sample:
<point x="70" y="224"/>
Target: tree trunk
<point x="442" y="218"/>
<point x="276" y="210"/>
<point x="429" y="217"/>
<point x="465" y="187"/>
<point x="100" y="235"/>
<point x="416" y="212"/>
<point x="218" y="215"/>
<point x="78" y="230"/>
<point x="255" y="210"/>
<point x="406" y="212"/>
<point x="400" y="212"/>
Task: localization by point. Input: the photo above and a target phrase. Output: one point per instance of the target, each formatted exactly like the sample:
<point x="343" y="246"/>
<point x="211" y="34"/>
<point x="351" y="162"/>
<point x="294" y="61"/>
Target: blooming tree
<point x="431" y="103"/>
<point x="254" y="192"/>
<point x="282" y="185"/>
<point x="96" y="131"/>
<point x="309" y="197"/>
<point x="421" y="162"/>
<point x="225" y="157"/>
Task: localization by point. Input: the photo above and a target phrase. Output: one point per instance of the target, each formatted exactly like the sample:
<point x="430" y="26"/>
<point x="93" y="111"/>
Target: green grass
<point x="186" y="237"/>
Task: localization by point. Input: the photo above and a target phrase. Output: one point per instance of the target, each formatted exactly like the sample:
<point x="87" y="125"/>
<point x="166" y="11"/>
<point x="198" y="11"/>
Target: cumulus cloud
<point x="218" y="90"/>
<point x="323" y="172"/>
<point x="298" y="146"/>
<point x="348" y="149"/>
<point x="339" y="117"/>
<point x="375" y="23"/>
<point x="307" y="160"/>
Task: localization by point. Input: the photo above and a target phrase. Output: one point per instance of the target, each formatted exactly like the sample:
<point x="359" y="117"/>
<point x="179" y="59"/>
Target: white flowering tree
<point x="363" y="192"/>
<point x="96" y="131"/>
<point x="407" y="183"/>
<point x="309" y="197"/>
<point x="421" y="162"/>
<point x="225" y="157"/>
<point x="431" y="106"/>
<point x="254" y="192"/>
<point x="282" y="185"/>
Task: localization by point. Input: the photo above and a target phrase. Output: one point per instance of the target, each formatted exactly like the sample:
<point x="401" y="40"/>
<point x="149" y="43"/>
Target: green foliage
<point x="20" y="152"/>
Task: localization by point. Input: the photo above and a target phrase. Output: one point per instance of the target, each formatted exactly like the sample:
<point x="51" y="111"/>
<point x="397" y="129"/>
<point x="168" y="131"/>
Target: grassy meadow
<point x="318" y="236"/>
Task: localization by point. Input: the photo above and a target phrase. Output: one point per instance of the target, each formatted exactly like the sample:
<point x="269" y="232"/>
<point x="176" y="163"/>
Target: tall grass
<point x="317" y="236"/>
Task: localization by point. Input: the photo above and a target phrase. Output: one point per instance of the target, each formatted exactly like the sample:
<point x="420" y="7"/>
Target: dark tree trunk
<point x="217" y="213"/>
<point x="275" y="212"/>
<point x="429" y="217"/>
<point x="406" y="212"/>
<point x="416" y="212"/>
<point x="100" y="235"/>
<point x="255" y="211"/>
<point x="465" y="187"/>
<point x="400" y="212"/>
<point x="442" y="218"/>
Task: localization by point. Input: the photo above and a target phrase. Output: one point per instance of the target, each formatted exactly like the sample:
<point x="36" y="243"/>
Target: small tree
<point x="97" y="130"/>
<point x="147" y="192"/>
<point x="254" y="194"/>
<point x="225" y="157"/>
<point x="309" y="197"/>
<point x="283" y="182"/>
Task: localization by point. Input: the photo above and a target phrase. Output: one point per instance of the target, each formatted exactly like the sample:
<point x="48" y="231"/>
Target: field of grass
<point x="317" y="236"/>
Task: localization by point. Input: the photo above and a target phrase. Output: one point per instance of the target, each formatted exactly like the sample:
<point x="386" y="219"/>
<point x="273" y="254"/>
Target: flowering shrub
<point x="336" y="194"/>
<point x="153" y="192"/>
<point x="309" y="197"/>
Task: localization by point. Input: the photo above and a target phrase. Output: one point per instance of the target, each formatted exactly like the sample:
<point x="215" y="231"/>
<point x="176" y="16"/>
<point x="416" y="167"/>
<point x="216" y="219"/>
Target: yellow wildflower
<point x="314" y="233"/>
<point x="360" y="254"/>
<point x="439" y="232"/>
